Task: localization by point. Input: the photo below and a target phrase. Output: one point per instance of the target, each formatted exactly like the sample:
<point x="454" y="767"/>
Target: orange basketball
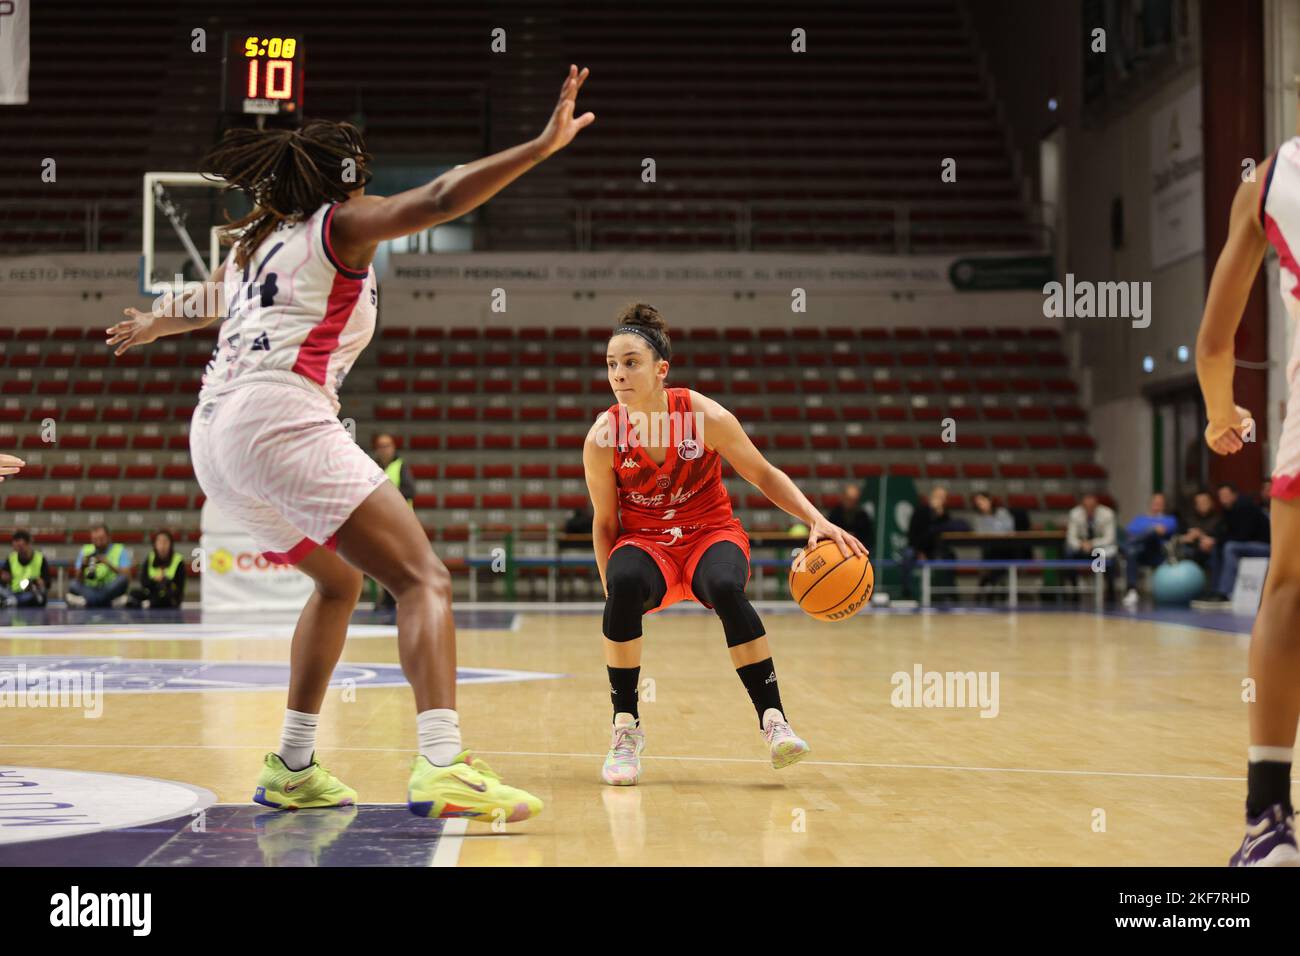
<point x="829" y="586"/>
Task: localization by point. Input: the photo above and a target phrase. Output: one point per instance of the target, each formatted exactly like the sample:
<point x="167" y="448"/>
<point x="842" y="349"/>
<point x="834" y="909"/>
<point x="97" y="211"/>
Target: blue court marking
<point x="485" y="620"/>
<point x="134" y="675"/>
<point x="1224" y="621"/>
<point x="239" y="835"/>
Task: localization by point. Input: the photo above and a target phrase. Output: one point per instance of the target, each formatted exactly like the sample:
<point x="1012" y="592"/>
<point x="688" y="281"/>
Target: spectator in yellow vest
<point x="25" y="576"/>
<point x="385" y="447"/>
<point x="162" y="578"/>
<point x="103" y="571"/>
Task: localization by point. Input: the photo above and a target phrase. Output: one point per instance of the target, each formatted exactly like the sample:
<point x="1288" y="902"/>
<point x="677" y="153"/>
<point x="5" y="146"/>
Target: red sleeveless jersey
<point x="685" y="492"/>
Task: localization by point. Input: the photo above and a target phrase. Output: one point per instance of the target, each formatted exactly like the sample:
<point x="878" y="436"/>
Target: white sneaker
<point x="786" y="746"/>
<point x="623" y="762"/>
<point x="74" y="600"/>
<point x="1131" y="598"/>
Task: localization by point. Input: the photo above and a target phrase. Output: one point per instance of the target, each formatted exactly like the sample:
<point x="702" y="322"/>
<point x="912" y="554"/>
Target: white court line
<point x="847" y="764"/>
<point x="449" y="843"/>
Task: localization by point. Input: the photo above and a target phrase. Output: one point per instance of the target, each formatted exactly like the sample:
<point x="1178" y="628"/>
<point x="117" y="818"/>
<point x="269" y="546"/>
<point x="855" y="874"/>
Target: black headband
<point x="652" y="336"/>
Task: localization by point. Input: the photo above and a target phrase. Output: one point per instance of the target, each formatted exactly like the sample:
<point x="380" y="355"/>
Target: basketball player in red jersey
<point x="653" y="463"/>
<point x="269" y="450"/>
<point x="1265" y="210"/>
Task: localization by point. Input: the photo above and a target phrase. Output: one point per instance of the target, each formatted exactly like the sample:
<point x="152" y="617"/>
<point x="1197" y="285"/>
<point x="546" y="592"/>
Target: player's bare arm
<point x="723" y="433"/>
<point x="170" y="317"/>
<point x="10" y="465"/>
<point x="604" y="493"/>
<point x="364" y="221"/>
<point x="1234" y="275"/>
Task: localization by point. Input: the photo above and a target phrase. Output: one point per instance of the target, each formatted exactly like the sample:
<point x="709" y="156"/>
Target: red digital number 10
<point x="279" y="79"/>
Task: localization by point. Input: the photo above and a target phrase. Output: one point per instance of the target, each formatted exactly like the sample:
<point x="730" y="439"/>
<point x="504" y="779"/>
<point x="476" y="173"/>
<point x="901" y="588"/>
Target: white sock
<point x="1270" y="754"/>
<point x="439" y="731"/>
<point x="298" y="739"/>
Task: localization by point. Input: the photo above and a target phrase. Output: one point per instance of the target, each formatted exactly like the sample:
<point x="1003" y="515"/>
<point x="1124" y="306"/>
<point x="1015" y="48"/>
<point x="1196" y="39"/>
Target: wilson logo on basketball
<point x="827" y="585"/>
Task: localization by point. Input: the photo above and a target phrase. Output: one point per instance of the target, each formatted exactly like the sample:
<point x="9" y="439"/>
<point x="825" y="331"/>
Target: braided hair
<point x="287" y="174"/>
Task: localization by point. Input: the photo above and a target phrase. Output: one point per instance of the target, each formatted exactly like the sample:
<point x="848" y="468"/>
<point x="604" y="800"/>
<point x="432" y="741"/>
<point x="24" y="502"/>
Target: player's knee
<point x="421" y="572"/>
<point x="345" y="584"/>
<point x="625" y="585"/>
<point x="720" y="583"/>
<point x="440" y="581"/>
<point x="1281" y="602"/>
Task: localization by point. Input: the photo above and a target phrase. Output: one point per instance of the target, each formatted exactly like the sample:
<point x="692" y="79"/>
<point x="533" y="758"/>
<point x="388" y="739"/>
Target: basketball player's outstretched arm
<point x="364" y="221"/>
<point x="10" y="465"/>
<point x="1234" y="275"/>
<point x="596" y="463"/>
<point x="170" y="316"/>
<point x="723" y="433"/>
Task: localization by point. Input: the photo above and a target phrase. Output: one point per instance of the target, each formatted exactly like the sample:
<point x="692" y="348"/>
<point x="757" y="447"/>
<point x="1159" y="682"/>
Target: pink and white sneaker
<point x="787" y="746"/>
<point x="623" y="762"/>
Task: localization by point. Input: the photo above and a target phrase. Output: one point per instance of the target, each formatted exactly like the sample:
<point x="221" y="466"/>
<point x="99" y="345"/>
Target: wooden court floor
<point x="1115" y="741"/>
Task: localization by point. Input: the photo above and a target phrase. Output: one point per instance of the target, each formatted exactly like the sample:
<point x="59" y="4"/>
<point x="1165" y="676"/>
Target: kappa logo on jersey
<point x="261" y="343"/>
<point x="628" y="463"/>
<point x="689" y="449"/>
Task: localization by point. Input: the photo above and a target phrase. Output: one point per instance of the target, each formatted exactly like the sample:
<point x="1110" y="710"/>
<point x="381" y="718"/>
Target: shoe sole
<point x="424" y="808"/>
<point x="1283" y="856"/>
<point x="259" y="796"/>
<point x="621" y="783"/>
<point x="787" y="754"/>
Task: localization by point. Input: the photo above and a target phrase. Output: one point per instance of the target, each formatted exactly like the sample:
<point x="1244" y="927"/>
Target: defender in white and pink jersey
<point x="298" y="298"/>
<point x="1265" y="210"/>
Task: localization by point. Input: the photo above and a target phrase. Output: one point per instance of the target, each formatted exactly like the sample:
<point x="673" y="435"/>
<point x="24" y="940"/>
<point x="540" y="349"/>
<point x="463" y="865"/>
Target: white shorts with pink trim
<point x="1286" y="467"/>
<point x="277" y="460"/>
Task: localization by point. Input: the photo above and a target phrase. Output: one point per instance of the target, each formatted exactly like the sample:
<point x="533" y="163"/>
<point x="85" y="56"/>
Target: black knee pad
<point x="636" y="585"/>
<point x="719" y="582"/>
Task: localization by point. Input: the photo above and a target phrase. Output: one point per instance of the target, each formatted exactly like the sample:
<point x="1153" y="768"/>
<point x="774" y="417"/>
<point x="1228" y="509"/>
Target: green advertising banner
<point x="891" y="500"/>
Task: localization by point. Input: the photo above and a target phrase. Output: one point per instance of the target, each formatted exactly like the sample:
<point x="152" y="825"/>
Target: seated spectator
<point x="1198" y="542"/>
<point x="1147" y="537"/>
<point x="852" y="517"/>
<point x="101" y="573"/>
<point x="1090" y="526"/>
<point x="162" y="579"/>
<point x="990" y="520"/>
<point x="924" y="538"/>
<point x="1244" y="534"/>
<point x="25" y="577"/>
<point x="580" y="522"/>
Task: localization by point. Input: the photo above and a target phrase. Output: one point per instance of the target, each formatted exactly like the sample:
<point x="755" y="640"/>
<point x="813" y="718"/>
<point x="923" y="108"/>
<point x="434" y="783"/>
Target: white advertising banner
<point x="15" y="51"/>
<point x="709" y="272"/>
<point x="71" y="273"/>
<point x="238" y="578"/>
<point x="1249" y="585"/>
<point x="1177" y="203"/>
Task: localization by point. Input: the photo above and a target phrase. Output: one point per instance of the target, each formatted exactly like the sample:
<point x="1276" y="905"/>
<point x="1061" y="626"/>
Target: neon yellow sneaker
<point x="467" y="788"/>
<point x="280" y="788"/>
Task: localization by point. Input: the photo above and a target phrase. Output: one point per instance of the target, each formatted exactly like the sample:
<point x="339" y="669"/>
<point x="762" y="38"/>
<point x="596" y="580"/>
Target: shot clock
<point x="263" y="75"/>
